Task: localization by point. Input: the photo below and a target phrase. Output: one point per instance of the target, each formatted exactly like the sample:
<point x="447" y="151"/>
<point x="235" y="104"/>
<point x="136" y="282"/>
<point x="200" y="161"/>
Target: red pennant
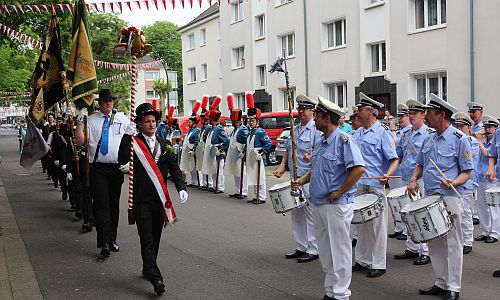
<point x="156" y="4"/>
<point x="138" y="4"/>
<point x="191" y="2"/>
<point x="146" y="2"/>
<point x="182" y="2"/>
<point x="88" y="7"/>
<point x="95" y="7"/>
<point x="209" y="2"/>
<point x="103" y="7"/>
<point x="54" y="8"/>
<point x="201" y="2"/>
<point x="164" y="3"/>
<point x="120" y="6"/>
<point x="70" y="7"/>
<point x="111" y="6"/>
<point x="61" y="7"/>
<point x="128" y="4"/>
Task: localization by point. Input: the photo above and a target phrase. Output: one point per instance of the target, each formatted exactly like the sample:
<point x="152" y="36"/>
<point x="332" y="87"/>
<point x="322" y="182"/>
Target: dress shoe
<point x="211" y="189"/>
<point x="491" y="240"/>
<point x="87" y="227"/>
<point x="433" y="290"/>
<point x="401" y="237"/>
<point x="328" y="298"/>
<point x="451" y="295"/>
<point x="251" y="200"/>
<point x="234" y="195"/>
<point x="241" y="197"/>
<point x="203" y="188"/>
<point x="260" y="201"/>
<point x="394" y="235"/>
<point x="218" y="192"/>
<point x="105" y="251"/>
<point x="295" y="254"/>
<point x="354" y="242"/>
<point x="158" y="286"/>
<point x="375" y="273"/>
<point x="358" y="267"/>
<point x="481" y="238"/>
<point x="422" y="260"/>
<point x="64" y="196"/>
<point x="114" y="247"/>
<point x="56" y="184"/>
<point x="467" y="249"/>
<point x="72" y="208"/>
<point x="475" y="221"/>
<point x="78" y="214"/>
<point x="307" y="258"/>
<point x="496" y="273"/>
<point x="406" y="255"/>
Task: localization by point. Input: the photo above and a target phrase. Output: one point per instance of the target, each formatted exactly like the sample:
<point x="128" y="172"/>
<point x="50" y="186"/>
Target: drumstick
<point x="442" y="174"/>
<point x="379" y="177"/>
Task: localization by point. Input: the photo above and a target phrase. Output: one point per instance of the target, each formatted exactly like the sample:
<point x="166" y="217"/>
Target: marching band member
<point x="188" y="156"/>
<point x="355" y="125"/>
<point x="377" y="146"/>
<point x="219" y="142"/>
<point x="408" y="148"/>
<point x="476" y="114"/>
<point x="153" y="160"/>
<point x="235" y="163"/>
<point x="173" y="125"/>
<point x="306" y="136"/>
<point x="58" y="146"/>
<point x="258" y="144"/>
<point x="337" y="165"/>
<point x="451" y="151"/>
<point x="206" y="179"/>
<point x="489" y="216"/>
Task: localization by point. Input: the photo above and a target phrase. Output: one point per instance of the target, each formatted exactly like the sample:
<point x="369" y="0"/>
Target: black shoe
<point x="394" y="235"/>
<point x="307" y="258"/>
<point x="203" y="188"/>
<point x="481" y="238"/>
<point x="65" y="196"/>
<point x="496" y="273"/>
<point x="158" y="286"/>
<point x="211" y="189"/>
<point x="234" y="195"/>
<point x="78" y="214"/>
<point x="242" y="197"/>
<point x="328" y="298"/>
<point x="114" y="247"/>
<point x="218" y="192"/>
<point x="295" y="254"/>
<point x="87" y="227"/>
<point x="260" y="202"/>
<point x="401" y="237"/>
<point x="56" y="184"/>
<point x="475" y="221"/>
<point x="105" y="251"/>
<point x="451" y="295"/>
<point x="373" y="273"/>
<point x="491" y="240"/>
<point x="433" y="290"/>
<point x="422" y="260"/>
<point x="48" y="177"/>
<point x="467" y="249"/>
<point x="251" y="200"/>
<point x="354" y="242"/>
<point x="357" y="267"/>
<point x="72" y="208"/>
<point x="407" y="254"/>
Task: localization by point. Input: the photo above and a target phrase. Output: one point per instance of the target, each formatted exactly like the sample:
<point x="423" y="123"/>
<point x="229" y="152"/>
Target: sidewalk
<point x="17" y="278"/>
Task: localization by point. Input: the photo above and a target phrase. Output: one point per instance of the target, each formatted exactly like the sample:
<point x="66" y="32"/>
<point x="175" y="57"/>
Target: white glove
<point x="63" y="168"/>
<point x="56" y="163"/>
<point x="183" y="195"/>
<point x="131" y="129"/>
<point x="258" y="156"/>
<point x="191" y="152"/>
<point x="82" y="114"/>
<point x="69" y="177"/>
<point x="241" y="155"/>
<point x="125" y="168"/>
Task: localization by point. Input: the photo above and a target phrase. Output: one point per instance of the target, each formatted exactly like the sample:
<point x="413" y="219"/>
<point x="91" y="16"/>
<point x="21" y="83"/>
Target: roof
<point x="212" y="10"/>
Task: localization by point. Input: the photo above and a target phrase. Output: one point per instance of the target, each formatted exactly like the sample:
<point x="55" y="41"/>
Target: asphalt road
<point x="221" y="248"/>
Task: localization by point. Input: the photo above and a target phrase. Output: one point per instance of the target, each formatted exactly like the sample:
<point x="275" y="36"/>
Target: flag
<point x="34" y="147"/>
<point x="81" y="68"/>
<point x="49" y="77"/>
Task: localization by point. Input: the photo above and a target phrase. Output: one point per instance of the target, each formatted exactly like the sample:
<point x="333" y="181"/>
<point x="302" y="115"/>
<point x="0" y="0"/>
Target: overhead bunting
<point x="115" y="77"/>
<point x="20" y="37"/>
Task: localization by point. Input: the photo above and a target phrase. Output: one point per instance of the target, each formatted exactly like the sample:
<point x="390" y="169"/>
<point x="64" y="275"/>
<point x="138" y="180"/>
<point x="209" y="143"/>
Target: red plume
<point x="196" y="107"/>
<point x="230" y="101"/>
<point x="171" y="110"/>
<point x="216" y="102"/>
<point x="249" y="99"/>
<point x="204" y="101"/>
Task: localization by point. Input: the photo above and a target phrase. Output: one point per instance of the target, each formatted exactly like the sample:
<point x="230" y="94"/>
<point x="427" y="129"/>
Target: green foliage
<point x="162" y="87"/>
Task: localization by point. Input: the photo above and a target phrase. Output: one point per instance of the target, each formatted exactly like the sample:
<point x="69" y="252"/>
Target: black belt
<point x="105" y="164"/>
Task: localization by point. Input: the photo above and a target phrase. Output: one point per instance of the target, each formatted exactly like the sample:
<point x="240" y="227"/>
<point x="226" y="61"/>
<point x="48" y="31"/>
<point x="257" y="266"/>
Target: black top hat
<point x="105" y="94"/>
<point x="146" y="109"/>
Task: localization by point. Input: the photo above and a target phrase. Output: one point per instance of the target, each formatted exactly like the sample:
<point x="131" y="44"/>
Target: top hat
<point x="146" y="109"/>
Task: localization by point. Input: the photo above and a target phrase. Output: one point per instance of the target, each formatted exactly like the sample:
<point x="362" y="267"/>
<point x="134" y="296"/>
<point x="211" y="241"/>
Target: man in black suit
<point x="149" y="200"/>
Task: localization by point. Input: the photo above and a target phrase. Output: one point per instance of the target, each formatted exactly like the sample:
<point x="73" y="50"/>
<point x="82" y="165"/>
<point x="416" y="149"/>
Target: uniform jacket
<point x="219" y="136"/>
<point x="261" y="140"/>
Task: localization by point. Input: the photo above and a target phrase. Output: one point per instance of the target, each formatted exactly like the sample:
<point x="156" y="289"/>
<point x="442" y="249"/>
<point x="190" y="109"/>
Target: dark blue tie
<point x="105" y="136"/>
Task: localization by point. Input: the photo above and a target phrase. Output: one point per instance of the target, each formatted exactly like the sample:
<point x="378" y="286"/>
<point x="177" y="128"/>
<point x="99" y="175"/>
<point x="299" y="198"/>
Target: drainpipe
<point x="305" y="48"/>
<point x="472" y="92"/>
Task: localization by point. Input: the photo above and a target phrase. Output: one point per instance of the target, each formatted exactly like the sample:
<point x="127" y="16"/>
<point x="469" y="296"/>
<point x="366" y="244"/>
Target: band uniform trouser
<point x="489" y="216"/>
<point x="467" y="222"/>
<point x="303" y="226"/>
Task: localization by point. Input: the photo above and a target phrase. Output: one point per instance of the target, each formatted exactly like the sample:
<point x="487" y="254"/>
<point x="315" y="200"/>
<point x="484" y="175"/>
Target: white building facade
<point x="392" y="50"/>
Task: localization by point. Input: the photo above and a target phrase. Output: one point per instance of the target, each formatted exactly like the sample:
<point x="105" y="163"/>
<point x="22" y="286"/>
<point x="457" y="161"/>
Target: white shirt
<point x="151" y="142"/>
<point x="116" y="132"/>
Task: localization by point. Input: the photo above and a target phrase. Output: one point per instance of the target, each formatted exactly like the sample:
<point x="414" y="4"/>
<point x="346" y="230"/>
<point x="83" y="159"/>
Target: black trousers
<point x="106" y="183"/>
<point x="62" y="179"/>
<point x="149" y="221"/>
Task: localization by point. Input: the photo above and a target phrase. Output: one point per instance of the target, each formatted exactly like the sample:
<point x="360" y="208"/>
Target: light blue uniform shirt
<point x="495" y="150"/>
<point x="400" y="134"/>
<point x="452" y="153"/>
<point x="407" y="153"/>
<point x="378" y="149"/>
<point x="332" y="159"/>
<point x="473" y="182"/>
<point x="306" y="138"/>
<point x="484" y="161"/>
<point x="478" y="127"/>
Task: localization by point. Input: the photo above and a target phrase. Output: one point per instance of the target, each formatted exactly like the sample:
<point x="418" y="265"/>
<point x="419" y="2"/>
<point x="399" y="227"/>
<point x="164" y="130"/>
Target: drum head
<point x="397" y="192"/>
<point x="424" y="202"/>
<point x="495" y="189"/>
<point x="280" y="186"/>
<point x="364" y="200"/>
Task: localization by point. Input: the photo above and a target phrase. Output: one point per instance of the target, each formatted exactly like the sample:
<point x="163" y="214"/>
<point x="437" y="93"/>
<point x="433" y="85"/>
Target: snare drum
<point x="366" y="208"/>
<point x="493" y="196"/>
<point x="397" y="199"/>
<point x="426" y="219"/>
<point x="282" y="200"/>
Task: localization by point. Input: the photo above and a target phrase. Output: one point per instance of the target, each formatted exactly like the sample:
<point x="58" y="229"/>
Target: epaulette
<point x="431" y="130"/>
<point x="458" y="133"/>
<point x="385" y="126"/>
<point x="344" y="137"/>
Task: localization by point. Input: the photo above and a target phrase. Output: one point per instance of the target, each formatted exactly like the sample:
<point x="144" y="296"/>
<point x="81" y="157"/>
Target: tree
<point x="162" y="87"/>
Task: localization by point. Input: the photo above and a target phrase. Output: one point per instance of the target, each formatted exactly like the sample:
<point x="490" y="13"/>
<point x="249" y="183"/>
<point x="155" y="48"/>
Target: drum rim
<point x="400" y="196"/>
<point x="281" y="186"/>
<point x="437" y="201"/>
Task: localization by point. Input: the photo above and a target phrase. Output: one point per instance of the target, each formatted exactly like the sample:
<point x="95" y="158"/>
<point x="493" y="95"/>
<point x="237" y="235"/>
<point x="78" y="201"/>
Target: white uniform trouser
<point x="303" y="226"/>
<point x="447" y="252"/>
<point x="467" y="225"/>
<point x="396" y="183"/>
<point x="489" y="216"/>
<point x="372" y="240"/>
<point x="263" y="189"/>
<point x="220" y="183"/>
<point x="203" y="179"/>
<point x="244" y="186"/>
<point x="191" y="178"/>
<point x="331" y="224"/>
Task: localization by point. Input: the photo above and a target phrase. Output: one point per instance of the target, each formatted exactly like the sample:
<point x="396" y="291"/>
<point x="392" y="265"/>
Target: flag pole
<point x="131" y="216"/>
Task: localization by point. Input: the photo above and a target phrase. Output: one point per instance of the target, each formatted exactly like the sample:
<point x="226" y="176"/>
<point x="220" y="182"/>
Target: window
<point x="240" y="101"/>
<point x="204" y="72"/>
<point x="261" y="76"/>
<point x="284" y="97"/>
<point x="378" y="54"/>
<point x="192" y="75"/>
<point x="429" y="13"/>
<point x="277" y="122"/>
<point x="288" y="45"/>
<point x="435" y="83"/>
<point x="152" y="95"/>
<point x="238" y="58"/>
<point x="203" y="37"/>
<point x="337" y="93"/>
<point x="238" y="13"/>
<point x="190" y="42"/>
<point x="281" y="2"/>
<point x="335" y="34"/>
<point x="152" y="75"/>
<point x="260" y="24"/>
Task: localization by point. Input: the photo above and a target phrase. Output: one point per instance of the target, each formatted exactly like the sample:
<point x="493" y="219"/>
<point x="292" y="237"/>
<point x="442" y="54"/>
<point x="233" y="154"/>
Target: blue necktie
<point x="105" y="136"/>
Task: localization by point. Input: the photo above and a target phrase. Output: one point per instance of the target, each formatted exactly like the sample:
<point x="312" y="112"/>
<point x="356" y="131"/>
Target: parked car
<point x="280" y="145"/>
<point x="274" y="123"/>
